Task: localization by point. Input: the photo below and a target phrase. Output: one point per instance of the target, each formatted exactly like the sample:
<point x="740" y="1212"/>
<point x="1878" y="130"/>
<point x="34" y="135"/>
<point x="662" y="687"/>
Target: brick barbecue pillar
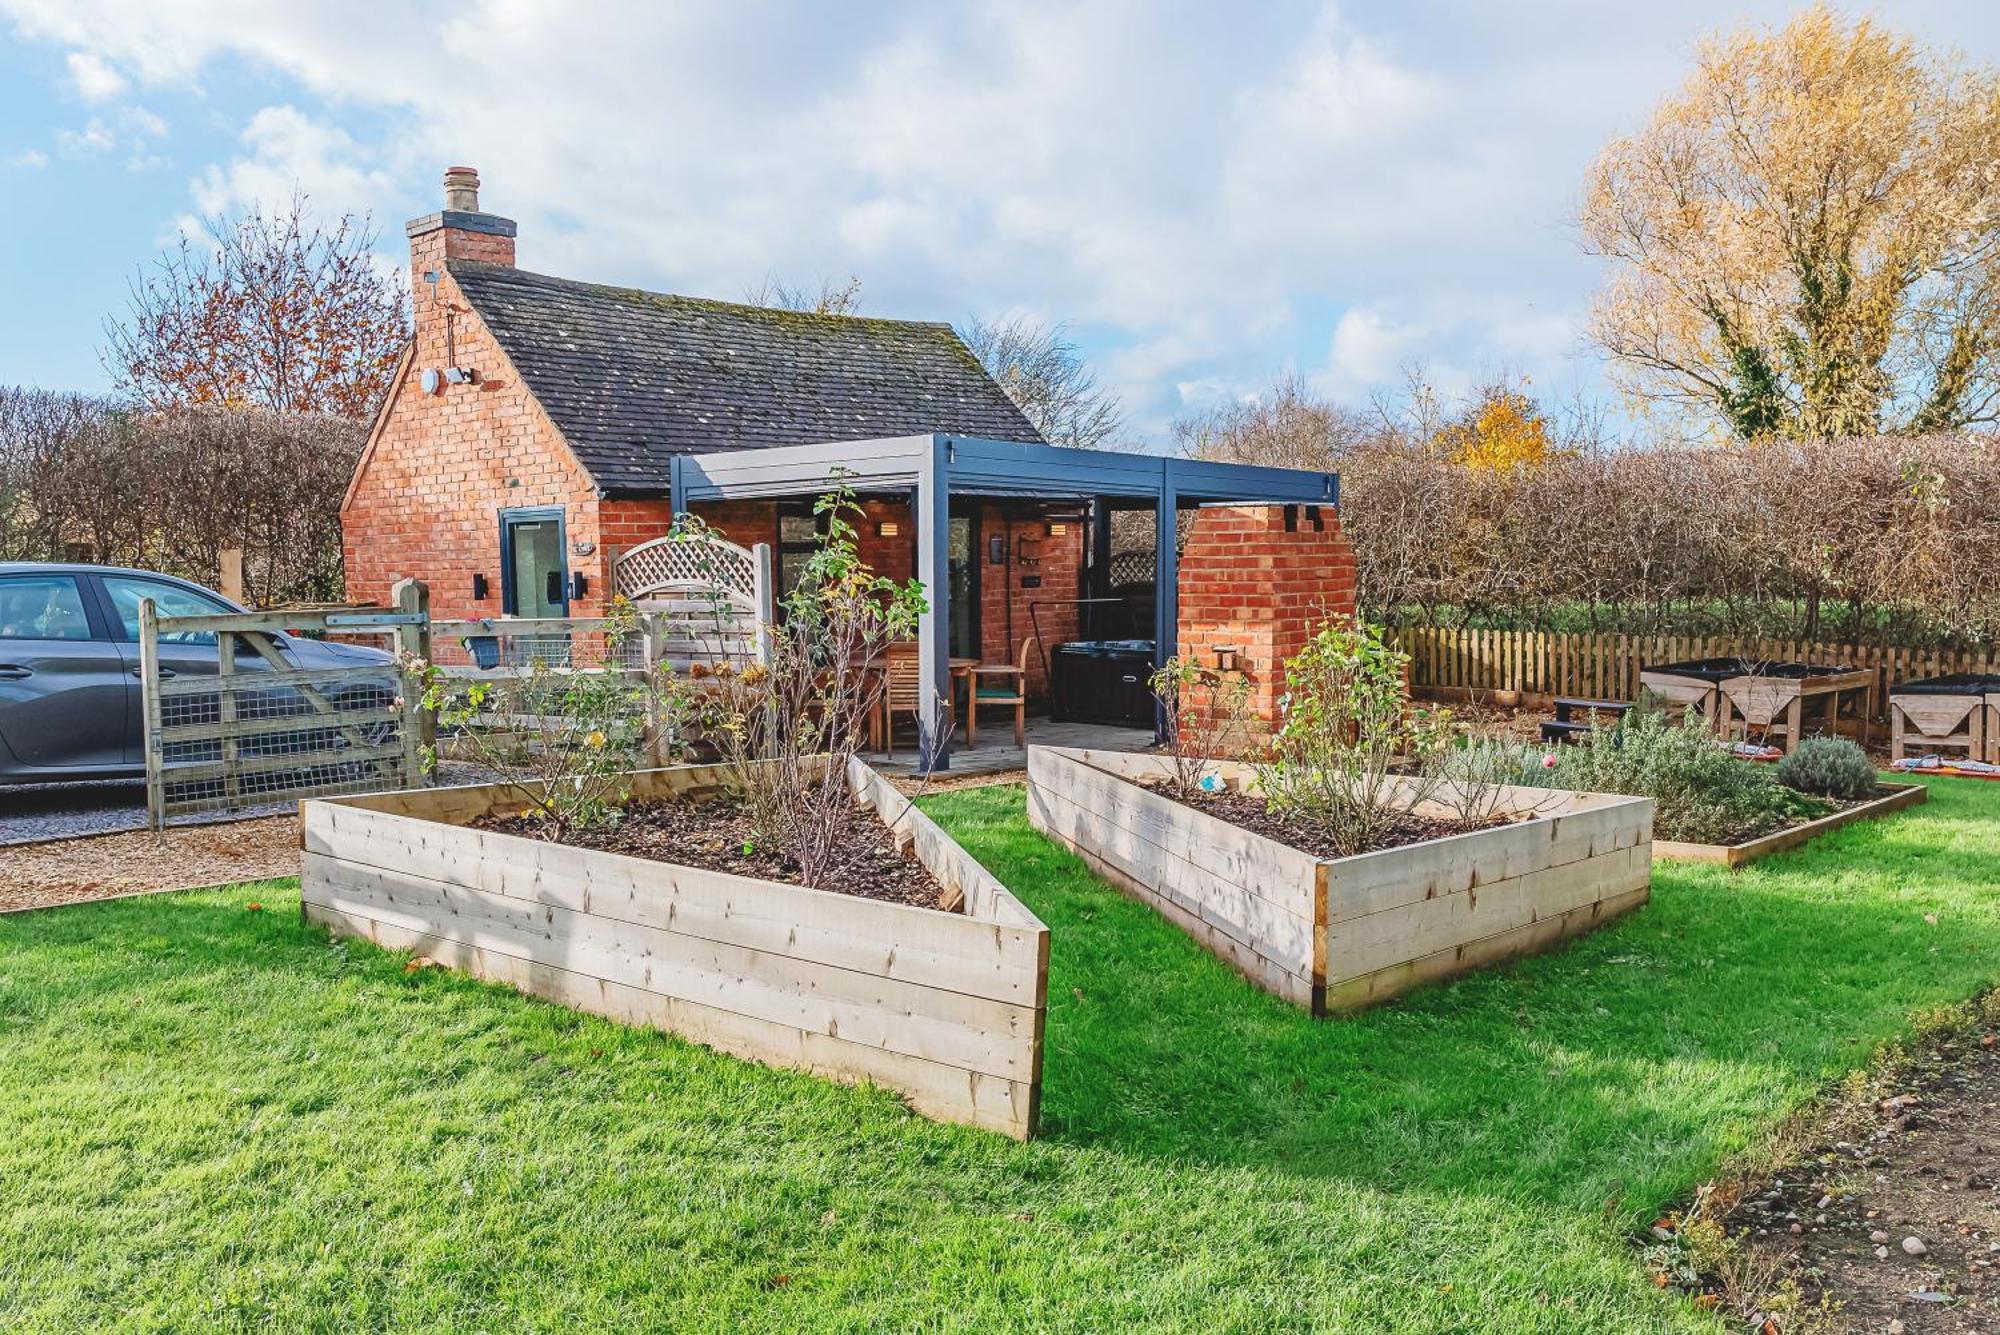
<point x="1256" y="580"/>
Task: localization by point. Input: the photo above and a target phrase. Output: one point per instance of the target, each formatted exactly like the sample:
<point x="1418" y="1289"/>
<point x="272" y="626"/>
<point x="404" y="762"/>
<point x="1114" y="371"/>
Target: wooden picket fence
<point x="1539" y="665"/>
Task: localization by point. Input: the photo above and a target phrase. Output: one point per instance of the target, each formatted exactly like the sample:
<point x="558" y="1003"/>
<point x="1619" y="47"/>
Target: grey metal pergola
<point x="932" y="469"/>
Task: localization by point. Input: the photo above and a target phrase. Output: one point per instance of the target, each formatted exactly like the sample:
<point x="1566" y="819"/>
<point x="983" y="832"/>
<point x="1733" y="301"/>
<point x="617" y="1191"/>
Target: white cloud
<point x="287" y="150"/>
<point x="32" y="158"/>
<point x="1368" y="349"/>
<point x="95" y="80"/>
<point x="95" y="137"/>
<point x="1212" y="192"/>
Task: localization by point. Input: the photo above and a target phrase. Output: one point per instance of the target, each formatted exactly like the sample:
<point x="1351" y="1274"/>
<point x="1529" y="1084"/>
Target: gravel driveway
<point x="66" y="810"/>
<point x="38" y="812"/>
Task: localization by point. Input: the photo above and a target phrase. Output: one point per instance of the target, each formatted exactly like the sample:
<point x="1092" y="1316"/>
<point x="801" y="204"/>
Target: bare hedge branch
<point x="83" y="478"/>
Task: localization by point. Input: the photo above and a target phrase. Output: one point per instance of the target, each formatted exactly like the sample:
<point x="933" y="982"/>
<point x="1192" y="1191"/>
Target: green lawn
<point x="212" y="1117"/>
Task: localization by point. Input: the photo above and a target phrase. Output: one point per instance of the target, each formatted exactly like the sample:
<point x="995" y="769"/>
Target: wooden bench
<point x="1567" y="727"/>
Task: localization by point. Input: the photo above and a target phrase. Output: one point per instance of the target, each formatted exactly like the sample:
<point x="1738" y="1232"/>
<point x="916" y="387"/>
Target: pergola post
<point x="930" y="505"/>
<point x="1100" y="548"/>
<point x="1166" y="578"/>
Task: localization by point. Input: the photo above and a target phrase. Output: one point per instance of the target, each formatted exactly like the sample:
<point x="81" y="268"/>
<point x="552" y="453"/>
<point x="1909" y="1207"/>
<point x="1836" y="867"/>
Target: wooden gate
<point x="256" y="728"/>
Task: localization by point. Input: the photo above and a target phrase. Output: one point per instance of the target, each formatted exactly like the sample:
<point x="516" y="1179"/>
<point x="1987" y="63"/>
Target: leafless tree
<point x="1043" y="373"/>
<point x="830" y="298"/>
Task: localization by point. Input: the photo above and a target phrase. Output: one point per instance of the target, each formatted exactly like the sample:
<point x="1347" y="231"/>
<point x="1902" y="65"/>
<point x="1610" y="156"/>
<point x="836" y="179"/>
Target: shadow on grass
<point x="1608" y="1074"/>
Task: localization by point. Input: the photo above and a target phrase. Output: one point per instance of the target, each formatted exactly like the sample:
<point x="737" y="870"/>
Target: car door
<point x="62" y="678"/>
<point x="182" y="653"/>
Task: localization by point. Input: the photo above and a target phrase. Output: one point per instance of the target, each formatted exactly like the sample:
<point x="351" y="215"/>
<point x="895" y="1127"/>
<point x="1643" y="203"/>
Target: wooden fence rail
<point x="1537" y="665"/>
<point x="231" y="721"/>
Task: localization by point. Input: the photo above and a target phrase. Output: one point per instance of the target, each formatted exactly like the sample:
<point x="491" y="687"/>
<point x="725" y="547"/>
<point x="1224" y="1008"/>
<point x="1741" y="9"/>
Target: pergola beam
<point x="932" y="510"/>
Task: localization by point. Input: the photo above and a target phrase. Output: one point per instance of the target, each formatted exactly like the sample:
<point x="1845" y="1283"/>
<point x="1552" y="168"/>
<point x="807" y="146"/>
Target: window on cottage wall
<point x="799" y="531"/>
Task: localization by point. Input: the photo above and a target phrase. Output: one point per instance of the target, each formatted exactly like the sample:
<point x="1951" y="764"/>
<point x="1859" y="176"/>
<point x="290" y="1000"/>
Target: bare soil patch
<point x="715" y="835"/>
<point x="72" y="870"/>
<point x="1891" y="1220"/>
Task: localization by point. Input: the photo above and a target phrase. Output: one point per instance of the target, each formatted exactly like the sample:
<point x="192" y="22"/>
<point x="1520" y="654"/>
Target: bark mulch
<point x="714" y="834"/>
<point x="68" y="871"/>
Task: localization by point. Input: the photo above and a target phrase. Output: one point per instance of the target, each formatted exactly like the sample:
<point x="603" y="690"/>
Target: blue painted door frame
<point x="530" y="514"/>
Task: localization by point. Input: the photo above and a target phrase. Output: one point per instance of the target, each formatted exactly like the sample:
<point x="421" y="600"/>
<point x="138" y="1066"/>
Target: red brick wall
<point x="1247" y="583"/>
<point x="427" y="500"/>
<point x="1059" y="563"/>
<point x="894" y="557"/>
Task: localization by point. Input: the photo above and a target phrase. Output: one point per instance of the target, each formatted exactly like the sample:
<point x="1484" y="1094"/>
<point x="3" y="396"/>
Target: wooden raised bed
<point x="1333" y="935"/>
<point x="1953" y="713"/>
<point x="945" y="1008"/>
<point x="1738" y="855"/>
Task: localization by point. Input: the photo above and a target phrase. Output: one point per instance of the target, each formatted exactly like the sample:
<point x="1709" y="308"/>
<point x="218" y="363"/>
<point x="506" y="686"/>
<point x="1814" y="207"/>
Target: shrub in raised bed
<point x="1351" y="756"/>
<point x="1829" y="767"/>
<point x="1701" y="793"/>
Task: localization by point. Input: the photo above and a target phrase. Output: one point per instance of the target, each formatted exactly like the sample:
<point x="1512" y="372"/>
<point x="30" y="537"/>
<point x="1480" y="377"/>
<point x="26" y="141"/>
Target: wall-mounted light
<point x="1058" y="530"/>
<point x="478" y="588"/>
<point x="888" y="528"/>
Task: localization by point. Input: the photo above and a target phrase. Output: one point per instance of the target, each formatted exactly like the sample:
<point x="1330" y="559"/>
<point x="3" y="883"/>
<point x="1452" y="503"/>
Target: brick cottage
<point x="528" y="433"/>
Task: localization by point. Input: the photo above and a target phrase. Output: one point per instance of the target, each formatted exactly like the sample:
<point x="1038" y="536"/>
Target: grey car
<point x="70" y="700"/>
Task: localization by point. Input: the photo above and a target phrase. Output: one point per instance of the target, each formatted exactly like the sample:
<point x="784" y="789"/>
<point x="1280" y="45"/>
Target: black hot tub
<point x="1102" y="681"/>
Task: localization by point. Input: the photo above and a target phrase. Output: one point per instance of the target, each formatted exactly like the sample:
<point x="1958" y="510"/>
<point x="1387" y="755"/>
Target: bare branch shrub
<point x="167" y="489"/>
<point x="1207" y="716"/>
<point x="786" y="727"/>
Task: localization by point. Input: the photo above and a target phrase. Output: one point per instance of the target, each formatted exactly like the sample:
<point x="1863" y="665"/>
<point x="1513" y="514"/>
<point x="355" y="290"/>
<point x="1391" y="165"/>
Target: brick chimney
<point x="459" y="231"/>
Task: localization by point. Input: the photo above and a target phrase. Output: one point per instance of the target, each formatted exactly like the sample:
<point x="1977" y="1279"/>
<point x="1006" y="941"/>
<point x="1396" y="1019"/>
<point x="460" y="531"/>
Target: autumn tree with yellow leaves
<point x="1502" y="428"/>
<point x="1803" y="240"/>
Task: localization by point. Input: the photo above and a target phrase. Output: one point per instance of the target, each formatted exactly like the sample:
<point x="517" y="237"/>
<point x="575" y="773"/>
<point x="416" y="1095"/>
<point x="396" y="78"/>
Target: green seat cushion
<point x="990" y="693"/>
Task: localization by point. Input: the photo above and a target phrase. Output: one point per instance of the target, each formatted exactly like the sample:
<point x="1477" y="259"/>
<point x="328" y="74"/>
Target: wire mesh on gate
<point x="246" y="716"/>
<point x="243" y="741"/>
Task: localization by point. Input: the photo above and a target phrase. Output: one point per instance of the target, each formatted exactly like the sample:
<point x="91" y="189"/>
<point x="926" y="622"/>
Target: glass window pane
<point x="169" y="600"/>
<point x="42" y="607"/>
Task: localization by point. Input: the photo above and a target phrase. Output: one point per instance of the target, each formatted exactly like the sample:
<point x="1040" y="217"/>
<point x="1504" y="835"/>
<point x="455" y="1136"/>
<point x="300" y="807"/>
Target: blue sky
<point x="1209" y="195"/>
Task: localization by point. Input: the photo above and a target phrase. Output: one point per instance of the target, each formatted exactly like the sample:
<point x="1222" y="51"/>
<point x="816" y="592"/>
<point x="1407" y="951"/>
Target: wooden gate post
<point x="229" y="564"/>
<point x="149" y="691"/>
<point x="413" y="641"/>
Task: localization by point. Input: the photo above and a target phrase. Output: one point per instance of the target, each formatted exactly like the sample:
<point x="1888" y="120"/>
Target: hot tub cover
<point x="1957" y="683"/>
<point x="1726" y="669"/>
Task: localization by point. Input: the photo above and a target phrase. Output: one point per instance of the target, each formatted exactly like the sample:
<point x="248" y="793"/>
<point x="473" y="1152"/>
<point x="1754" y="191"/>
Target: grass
<point x="213" y="1117"/>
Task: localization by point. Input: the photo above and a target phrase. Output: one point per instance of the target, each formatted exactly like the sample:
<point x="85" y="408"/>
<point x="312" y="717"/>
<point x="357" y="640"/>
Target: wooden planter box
<point x="1921" y="724"/>
<point x="945" y="1008"/>
<point x="1333" y="935"/>
<point x="1737" y="855"/>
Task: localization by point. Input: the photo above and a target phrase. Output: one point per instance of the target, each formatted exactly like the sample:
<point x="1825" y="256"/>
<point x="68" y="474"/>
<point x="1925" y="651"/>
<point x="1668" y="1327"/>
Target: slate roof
<point x="632" y="378"/>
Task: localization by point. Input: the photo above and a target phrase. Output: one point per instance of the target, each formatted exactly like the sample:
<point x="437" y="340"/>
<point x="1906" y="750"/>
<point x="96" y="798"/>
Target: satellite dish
<point x="432" y="380"/>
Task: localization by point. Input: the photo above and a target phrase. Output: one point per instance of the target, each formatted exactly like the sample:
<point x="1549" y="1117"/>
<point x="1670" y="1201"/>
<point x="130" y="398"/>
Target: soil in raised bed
<point x="714" y="834"/>
<point x="1399" y="830"/>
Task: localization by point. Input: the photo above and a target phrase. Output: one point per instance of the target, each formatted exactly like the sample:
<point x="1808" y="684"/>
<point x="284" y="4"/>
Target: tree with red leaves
<point x="268" y="311"/>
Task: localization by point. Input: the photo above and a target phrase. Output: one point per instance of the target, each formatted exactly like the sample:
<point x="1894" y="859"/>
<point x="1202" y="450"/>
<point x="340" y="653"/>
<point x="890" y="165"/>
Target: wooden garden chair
<point x="1010" y="688"/>
<point x="902" y="692"/>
